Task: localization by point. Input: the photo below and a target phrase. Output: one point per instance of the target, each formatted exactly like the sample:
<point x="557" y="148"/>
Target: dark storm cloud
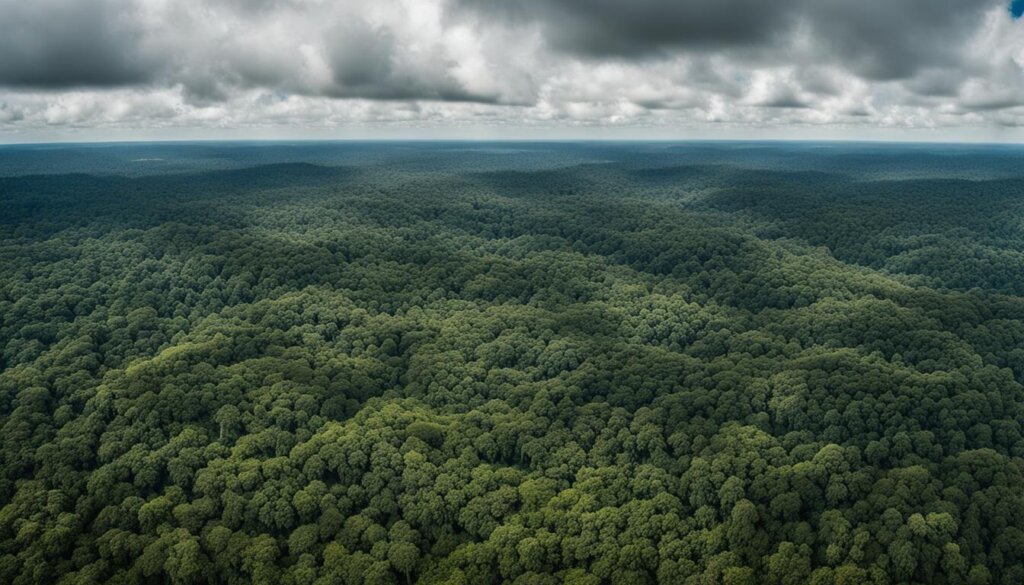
<point x="784" y="100"/>
<point x="642" y="27"/>
<point x="365" y="63"/>
<point x="56" y="45"/>
<point x="60" y="44"/>
<point x="257" y="5"/>
<point x="674" y="63"/>
<point x="359" y="54"/>
<point x="878" y="39"/>
<point x="894" y="39"/>
<point x="944" y="83"/>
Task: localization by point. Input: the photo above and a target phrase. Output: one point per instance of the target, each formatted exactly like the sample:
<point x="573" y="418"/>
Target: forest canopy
<point x="466" y="363"/>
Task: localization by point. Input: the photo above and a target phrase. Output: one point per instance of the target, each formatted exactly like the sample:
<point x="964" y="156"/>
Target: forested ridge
<point x="534" y="364"/>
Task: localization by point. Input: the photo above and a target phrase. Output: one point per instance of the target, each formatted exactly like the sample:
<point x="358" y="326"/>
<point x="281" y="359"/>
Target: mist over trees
<point x="533" y="364"/>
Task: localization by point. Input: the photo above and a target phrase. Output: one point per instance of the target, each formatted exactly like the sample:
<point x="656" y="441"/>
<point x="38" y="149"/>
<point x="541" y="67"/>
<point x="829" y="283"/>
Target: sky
<point x="82" y="70"/>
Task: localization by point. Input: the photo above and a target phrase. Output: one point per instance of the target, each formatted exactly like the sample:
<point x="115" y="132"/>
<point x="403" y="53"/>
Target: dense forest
<point x="470" y="363"/>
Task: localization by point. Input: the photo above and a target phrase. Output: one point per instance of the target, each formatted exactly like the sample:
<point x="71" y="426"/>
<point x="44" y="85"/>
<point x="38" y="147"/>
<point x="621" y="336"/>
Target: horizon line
<point x="538" y="140"/>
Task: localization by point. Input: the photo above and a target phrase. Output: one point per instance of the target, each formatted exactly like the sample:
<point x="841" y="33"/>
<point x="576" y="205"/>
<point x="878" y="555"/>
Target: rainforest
<point x="531" y="363"/>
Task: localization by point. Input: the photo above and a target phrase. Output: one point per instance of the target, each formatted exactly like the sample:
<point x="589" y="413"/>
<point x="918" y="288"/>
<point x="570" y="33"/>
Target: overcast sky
<point x="179" y="69"/>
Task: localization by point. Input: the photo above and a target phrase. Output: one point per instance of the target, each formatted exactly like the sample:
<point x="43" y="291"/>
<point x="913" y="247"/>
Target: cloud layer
<point x="697" y="64"/>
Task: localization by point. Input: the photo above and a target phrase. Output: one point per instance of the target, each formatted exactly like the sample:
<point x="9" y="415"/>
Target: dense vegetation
<point x="463" y="363"/>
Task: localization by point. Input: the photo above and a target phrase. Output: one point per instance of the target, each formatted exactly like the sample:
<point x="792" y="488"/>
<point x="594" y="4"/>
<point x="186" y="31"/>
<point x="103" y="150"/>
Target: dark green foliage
<point x="459" y="363"/>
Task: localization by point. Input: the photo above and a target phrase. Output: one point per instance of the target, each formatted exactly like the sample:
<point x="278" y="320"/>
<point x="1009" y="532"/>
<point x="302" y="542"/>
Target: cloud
<point x="886" y="39"/>
<point x="9" y="114"/>
<point x="58" y="44"/>
<point x="212" y="49"/>
<point x="367" y="61"/>
<point x="360" y="55"/>
<point x="602" y="28"/>
<point x="878" y="39"/>
<point x="510" y="63"/>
